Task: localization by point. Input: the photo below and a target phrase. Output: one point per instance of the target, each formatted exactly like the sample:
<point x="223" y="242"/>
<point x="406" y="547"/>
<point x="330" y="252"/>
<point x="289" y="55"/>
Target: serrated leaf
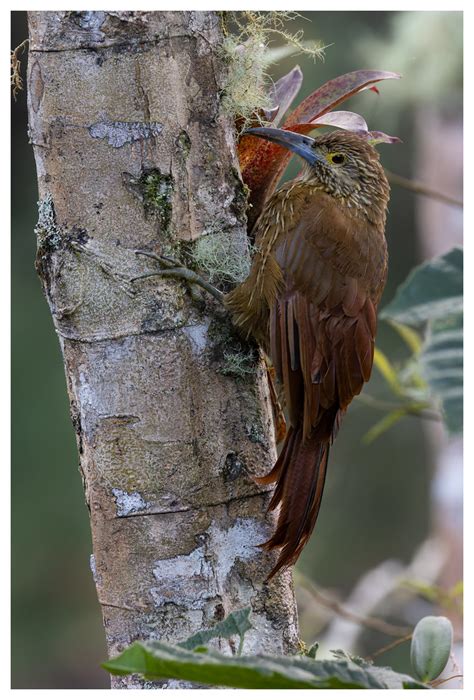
<point x="441" y="365"/>
<point x="160" y="660"/>
<point x="432" y="290"/>
<point x="237" y="623"/>
<point x="430" y="647"/>
<point x="432" y="293"/>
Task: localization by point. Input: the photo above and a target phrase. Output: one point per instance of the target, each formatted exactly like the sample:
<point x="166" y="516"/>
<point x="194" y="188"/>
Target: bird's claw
<point x="173" y="268"/>
<point x="165" y="260"/>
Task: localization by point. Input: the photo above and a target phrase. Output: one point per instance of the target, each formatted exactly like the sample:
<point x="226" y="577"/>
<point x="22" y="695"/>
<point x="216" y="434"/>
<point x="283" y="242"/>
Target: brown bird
<point x="310" y="301"/>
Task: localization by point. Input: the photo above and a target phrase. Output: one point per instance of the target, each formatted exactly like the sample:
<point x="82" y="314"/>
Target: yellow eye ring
<point x="336" y="158"/>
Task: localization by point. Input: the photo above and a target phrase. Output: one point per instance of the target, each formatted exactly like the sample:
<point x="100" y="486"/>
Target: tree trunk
<point x="171" y="409"/>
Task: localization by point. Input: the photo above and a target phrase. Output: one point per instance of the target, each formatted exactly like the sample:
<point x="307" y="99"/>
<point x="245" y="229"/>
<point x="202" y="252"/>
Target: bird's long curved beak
<point x="298" y="143"/>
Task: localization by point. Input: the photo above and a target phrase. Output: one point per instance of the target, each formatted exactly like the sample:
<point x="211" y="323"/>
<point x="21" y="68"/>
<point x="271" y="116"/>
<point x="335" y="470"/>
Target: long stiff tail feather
<point x="299" y="473"/>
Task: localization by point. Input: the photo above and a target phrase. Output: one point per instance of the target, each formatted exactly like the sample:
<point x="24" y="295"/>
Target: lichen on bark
<point x="168" y="442"/>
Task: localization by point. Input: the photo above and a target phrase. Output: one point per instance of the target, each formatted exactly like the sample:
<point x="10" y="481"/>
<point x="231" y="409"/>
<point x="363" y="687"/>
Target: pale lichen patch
<point x="201" y="575"/>
<point x="96" y="576"/>
<point x="237" y="542"/>
<point x="120" y="133"/>
<point x="186" y="579"/>
<point x="47" y="229"/>
<point x="128" y="503"/>
<point x="197" y="334"/>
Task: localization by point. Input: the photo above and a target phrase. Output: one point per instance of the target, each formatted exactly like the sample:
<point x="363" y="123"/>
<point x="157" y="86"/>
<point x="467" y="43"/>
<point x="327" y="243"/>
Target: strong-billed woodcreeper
<point x="310" y="301"/>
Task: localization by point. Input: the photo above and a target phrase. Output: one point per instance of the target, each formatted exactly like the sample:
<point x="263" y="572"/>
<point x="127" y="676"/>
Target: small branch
<point x="328" y="602"/>
<point x="390" y="646"/>
<point x="388" y="406"/>
<point x="420" y="188"/>
<point x="440" y="681"/>
<point x="16" y="79"/>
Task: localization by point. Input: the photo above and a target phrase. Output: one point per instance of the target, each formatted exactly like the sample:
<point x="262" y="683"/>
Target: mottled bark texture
<point x="171" y="410"/>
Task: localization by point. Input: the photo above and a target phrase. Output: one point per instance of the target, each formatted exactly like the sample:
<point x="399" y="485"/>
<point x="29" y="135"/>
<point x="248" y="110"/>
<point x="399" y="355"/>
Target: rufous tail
<point x="299" y="473"/>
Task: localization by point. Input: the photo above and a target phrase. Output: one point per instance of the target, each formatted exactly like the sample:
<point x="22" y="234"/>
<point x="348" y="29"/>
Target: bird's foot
<point x="173" y="268"/>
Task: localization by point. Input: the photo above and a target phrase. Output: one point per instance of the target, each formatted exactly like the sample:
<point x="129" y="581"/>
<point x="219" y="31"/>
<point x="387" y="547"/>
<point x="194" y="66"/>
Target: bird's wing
<point x="322" y="325"/>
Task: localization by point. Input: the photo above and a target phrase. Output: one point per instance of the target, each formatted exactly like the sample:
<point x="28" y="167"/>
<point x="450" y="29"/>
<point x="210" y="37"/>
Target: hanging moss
<point x="225" y="260"/>
<point x="247" y="53"/>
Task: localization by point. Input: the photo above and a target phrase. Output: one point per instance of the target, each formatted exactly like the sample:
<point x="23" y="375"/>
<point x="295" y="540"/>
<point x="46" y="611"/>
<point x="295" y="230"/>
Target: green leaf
<point x="388" y="371"/>
<point x="384" y="424"/>
<point x="432" y="294"/>
<point x="431" y="291"/>
<point x="411" y="337"/>
<point x="237" y="623"/>
<point x="441" y="363"/>
<point x="431" y="646"/>
<point x="160" y="660"/>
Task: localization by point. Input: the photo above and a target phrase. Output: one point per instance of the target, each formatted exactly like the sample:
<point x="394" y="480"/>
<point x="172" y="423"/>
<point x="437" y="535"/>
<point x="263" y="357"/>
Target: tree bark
<point x="171" y="410"/>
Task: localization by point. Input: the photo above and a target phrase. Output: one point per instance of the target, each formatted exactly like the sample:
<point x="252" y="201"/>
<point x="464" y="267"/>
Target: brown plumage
<point x="310" y="300"/>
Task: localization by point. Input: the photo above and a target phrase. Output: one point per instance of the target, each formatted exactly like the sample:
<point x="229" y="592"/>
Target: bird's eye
<point x="337" y="158"/>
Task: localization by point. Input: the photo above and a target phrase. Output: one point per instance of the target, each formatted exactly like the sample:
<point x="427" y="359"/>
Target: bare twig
<point x="388" y="406"/>
<point x="16" y="79"/>
<point x="420" y="188"/>
<point x="367" y="621"/>
<point x="390" y="646"/>
<point x="440" y="681"/>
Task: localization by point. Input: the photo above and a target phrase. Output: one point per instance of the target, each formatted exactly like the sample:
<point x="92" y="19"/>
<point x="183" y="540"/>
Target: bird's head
<point x="341" y="163"/>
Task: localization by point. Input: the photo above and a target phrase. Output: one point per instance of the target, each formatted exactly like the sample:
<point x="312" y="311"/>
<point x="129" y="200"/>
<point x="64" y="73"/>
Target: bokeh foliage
<point x="377" y="497"/>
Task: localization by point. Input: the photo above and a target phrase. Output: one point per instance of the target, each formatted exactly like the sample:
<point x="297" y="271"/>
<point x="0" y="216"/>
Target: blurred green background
<point x="377" y="503"/>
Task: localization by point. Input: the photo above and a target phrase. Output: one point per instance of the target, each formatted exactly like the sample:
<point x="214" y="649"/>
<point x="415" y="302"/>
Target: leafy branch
<point x="192" y="661"/>
<point x="420" y="188"/>
<point x="429" y="383"/>
<point x="327" y="601"/>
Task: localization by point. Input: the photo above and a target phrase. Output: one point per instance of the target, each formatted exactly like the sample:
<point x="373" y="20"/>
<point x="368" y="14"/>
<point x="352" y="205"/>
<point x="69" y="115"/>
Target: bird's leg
<point x="172" y="268"/>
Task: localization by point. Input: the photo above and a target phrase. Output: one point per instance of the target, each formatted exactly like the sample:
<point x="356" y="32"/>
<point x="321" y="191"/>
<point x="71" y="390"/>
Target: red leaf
<point x="284" y="92"/>
<point x="343" y="120"/>
<point x="269" y="115"/>
<point x="374" y="137"/>
<point x="263" y="163"/>
<point x="334" y="92"/>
